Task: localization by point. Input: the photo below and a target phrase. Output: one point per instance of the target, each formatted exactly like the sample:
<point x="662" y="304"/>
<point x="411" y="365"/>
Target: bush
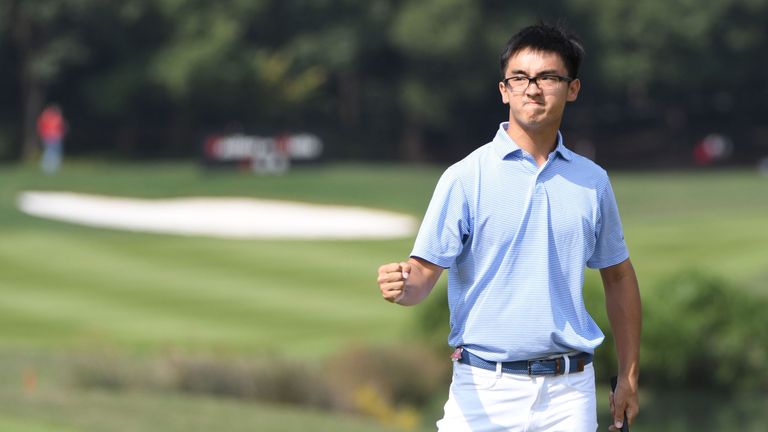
<point x="267" y="379"/>
<point x="273" y="380"/>
<point x="433" y="319"/>
<point x="699" y="332"/>
<point x="403" y="375"/>
<point x="391" y="384"/>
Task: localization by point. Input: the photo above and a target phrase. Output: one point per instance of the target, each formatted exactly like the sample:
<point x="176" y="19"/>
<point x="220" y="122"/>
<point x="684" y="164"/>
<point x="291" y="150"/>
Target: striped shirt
<point x="516" y="239"/>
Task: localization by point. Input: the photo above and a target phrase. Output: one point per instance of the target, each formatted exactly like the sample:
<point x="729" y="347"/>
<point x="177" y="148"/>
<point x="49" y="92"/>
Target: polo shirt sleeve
<point x="445" y="226"/>
<point x="610" y="247"/>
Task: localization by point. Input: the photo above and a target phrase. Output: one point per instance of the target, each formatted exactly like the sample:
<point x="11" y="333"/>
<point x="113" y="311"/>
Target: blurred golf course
<point x="69" y="292"/>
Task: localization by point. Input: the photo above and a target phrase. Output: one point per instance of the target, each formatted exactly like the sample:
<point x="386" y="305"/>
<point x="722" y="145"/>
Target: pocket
<point x="583" y="382"/>
<point x="470" y="378"/>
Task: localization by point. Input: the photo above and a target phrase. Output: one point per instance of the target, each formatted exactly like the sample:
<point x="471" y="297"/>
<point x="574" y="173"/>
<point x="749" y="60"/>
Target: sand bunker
<point x="218" y="217"/>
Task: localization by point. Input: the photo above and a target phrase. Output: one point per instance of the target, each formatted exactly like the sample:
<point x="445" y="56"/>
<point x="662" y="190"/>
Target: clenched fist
<point x="392" y="281"/>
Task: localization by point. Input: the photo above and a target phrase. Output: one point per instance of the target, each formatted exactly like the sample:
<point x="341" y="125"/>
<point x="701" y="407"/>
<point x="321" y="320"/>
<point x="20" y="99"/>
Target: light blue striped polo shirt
<point x="516" y="239"/>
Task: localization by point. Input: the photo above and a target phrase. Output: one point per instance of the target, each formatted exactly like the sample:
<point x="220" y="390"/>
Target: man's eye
<point x="519" y="78"/>
<point x="549" y="78"/>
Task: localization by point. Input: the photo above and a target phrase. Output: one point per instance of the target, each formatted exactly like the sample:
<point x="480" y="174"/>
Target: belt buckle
<point x="559" y="370"/>
<point x="531" y="372"/>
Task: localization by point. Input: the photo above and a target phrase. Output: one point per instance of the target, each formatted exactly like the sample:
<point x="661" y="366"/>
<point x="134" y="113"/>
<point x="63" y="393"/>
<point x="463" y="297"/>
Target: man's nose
<point x="533" y="87"/>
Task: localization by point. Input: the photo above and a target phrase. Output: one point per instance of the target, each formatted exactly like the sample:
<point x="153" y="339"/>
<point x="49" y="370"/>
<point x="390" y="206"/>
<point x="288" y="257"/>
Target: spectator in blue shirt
<point x="515" y="223"/>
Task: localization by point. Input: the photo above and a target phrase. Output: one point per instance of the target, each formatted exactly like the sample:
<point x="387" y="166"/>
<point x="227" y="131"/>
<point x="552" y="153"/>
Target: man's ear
<point x="504" y="92"/>
<point x="573" y="90"/>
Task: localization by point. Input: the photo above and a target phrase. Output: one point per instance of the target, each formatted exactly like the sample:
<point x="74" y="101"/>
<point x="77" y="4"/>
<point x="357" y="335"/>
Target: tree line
<point x="382" y="79"/>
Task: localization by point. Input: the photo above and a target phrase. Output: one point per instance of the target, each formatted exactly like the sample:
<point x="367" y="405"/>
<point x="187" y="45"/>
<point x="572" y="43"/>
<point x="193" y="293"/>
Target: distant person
<point x="515" y="223"/>
<point x="51" y="127"/>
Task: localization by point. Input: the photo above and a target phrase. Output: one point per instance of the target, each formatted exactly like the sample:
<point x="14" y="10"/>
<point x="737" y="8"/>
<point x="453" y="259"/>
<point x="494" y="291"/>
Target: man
<point x="51" y="127"/>
<point x="516" y="222"/>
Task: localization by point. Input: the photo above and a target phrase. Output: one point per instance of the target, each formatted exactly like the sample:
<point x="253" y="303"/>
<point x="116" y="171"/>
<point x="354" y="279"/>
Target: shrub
<point x="406" y="375"/>
<point x="433" y="318"/>
<point x="268" y="379"/>
<point x="699" y="332"/>
<point x="109" y="371"/>
<point x="273" y="380"/>
<point x="391" y="384"/>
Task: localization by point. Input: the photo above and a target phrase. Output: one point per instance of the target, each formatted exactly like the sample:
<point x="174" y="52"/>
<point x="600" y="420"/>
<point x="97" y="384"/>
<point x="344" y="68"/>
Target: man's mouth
<point x="533" y="102"/>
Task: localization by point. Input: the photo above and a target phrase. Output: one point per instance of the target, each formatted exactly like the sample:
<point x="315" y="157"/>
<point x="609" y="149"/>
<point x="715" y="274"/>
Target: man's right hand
<point x="392" y="280"/>
<point x="408" y="283"/>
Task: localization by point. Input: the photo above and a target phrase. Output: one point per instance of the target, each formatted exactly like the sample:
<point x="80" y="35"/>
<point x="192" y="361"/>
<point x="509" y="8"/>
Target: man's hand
<point x="623" y="400"/>
<point x="408" y="283"/>
<point x="392" y="280"/>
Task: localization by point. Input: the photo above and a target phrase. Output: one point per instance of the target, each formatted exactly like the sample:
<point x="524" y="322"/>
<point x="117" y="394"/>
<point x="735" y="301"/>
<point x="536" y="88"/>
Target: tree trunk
<point x="349" y="95"/>
<point x="412" y="143"/>
<point x="32" y="89"/>
<point x="33" y="100"/>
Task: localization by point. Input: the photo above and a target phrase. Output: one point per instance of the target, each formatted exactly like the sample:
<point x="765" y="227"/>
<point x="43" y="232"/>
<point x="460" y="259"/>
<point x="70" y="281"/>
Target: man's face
<point x="534" y="108"/>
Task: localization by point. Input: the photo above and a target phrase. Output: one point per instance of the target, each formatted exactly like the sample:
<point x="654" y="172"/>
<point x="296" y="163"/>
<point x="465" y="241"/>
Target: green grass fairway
<point x="709" y="220"/>
<point x="66" y="284"/>
<point x="67" y="288"/>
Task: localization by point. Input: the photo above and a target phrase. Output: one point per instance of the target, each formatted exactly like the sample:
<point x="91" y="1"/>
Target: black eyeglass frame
<point x="535" y="79"/>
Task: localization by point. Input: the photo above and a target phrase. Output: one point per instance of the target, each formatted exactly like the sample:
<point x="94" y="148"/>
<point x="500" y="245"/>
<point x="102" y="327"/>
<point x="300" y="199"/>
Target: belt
<point x="550" y="366"/>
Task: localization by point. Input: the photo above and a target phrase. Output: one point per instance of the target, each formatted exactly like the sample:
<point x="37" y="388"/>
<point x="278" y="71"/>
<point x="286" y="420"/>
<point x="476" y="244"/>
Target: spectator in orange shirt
<point x="51" y="127"/>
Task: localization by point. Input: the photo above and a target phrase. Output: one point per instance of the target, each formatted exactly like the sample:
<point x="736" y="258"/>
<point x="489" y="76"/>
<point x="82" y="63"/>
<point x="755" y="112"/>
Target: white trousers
<point x="483" y="401"/>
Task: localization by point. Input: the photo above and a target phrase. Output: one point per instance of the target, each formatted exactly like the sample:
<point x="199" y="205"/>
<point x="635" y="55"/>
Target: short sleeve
<point x="610" y="247"/>
<point x="445" y="226"/>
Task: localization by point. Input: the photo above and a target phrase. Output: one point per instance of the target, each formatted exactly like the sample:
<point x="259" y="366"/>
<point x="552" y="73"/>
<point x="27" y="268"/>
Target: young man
<point x="516" y="222"/>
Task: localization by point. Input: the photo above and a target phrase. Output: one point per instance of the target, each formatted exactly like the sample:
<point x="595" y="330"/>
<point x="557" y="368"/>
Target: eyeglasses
<point x="519" y="83"/>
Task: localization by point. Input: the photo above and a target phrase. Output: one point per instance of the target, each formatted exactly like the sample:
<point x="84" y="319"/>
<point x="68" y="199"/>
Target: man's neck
<point x="539" y="143"/>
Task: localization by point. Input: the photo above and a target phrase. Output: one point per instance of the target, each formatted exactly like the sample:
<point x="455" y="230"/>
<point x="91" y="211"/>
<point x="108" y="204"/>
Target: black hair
<point x="545" y="37"/>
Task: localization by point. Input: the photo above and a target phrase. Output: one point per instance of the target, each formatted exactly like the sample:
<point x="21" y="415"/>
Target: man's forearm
<point x="624" y="315"/>
<point x="622" y="297"/>
<point x="419" y="282"/>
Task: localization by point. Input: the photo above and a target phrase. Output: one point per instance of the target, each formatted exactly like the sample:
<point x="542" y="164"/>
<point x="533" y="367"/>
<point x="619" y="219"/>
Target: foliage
<point x="699" y="332"/>
<point x="433" y="318"/>
<point x="662" y="69"/>
<point x="385" y="79"/>
<point x="390" y="384"/>
<point x="267" y="379"/>
<point x="59" y="404"/>
<point x="404" y="374"/>
<point x="657" y="42"/>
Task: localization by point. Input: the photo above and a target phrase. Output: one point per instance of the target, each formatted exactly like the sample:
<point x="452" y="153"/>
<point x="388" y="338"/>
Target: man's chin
<point x="532" y="124"/>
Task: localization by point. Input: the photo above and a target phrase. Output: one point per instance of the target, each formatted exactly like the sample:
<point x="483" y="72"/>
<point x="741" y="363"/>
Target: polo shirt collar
<point x="505" y="146"/>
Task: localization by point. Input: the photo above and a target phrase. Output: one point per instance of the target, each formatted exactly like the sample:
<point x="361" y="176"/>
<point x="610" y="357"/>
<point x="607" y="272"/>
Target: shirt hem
<point x="617" y="259"/>
<point x="432" y="259"/>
